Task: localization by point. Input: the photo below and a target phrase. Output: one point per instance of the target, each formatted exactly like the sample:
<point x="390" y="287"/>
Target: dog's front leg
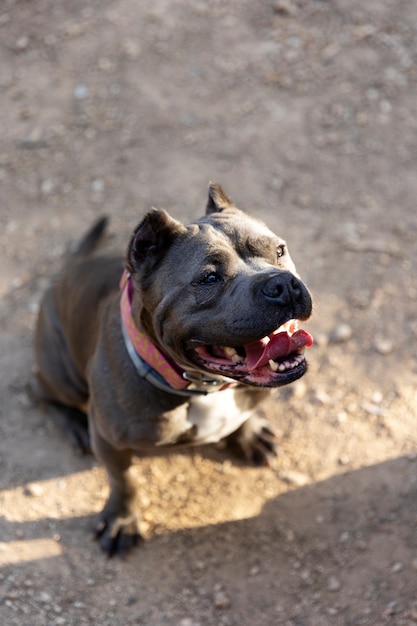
<point x="116" y="527"/>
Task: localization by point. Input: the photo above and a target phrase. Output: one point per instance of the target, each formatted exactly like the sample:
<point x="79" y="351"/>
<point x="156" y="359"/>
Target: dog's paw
<point x="256" y="440"/>
<point x="116" y="534"/>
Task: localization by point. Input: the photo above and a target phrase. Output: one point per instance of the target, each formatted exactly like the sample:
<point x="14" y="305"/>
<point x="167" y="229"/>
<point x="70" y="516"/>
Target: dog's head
<point x="220" y="295"/>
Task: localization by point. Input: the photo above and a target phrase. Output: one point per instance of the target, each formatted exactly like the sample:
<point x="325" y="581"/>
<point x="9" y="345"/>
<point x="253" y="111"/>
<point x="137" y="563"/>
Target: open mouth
<point x="274" y="360"/>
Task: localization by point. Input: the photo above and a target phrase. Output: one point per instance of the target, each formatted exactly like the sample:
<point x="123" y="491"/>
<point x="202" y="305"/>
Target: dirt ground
<point x="306" y="112"/>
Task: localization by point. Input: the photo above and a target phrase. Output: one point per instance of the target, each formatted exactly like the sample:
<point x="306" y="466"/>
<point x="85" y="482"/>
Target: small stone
<point x="80" y="92"/>
<point x="47" y="187"/>
<point x="414" y="564"/>
<point x="343" y="459"/>
<point x="294" y="478"/>
<point x="221" y="601"/>
<point x="22" y="44"/>
<point x="78" y="605"/>
<point x="341" y="334"/>
<point x="377" y="397"/>
<point x="97" y="185"/>
<point x="363" y="31"/>
<point x="321" y="397"/>
<point x="384" y="346"/>
<point x="374" y="409"/>
<point x="33" y="490"/>
<point x="285" y="7"/>
<point x="341" y="417"/>
<point x="397" y="567"/>
<point x="361" y="545"/>
<point x="44" y="597"/>
<point x="391" y="608"/>
<point x="333" y="584"/>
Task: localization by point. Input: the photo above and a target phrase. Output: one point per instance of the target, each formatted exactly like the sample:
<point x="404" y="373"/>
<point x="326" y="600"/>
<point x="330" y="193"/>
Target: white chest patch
<point x="215" y="416"/>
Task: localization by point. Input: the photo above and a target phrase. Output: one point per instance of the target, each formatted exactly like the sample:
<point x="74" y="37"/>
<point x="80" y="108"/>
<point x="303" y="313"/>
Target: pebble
<point x="33" y="490"/>
<point x="374" y="409"/>
<point x="44" y="597"/>
<point x="341" y="417"/>
<point x="294" y="478"/>
<point x="344" y="459"/>
<point x="22" y="44"/>
<point x="333" y="584"/>
<point x="47" y="186"/>
<point x="377" y="397"/>
<point x="391" y="608"/>
<point x="341" y="334"/>
<point x="221" y="600"/>
<point x="384" y="346"/>
<point x="321" y="397"/>
<point x="285" y="7"/>
<point x="397" y="567"/>
<point x="80" y="92"/>
<point x="97" y="185"/>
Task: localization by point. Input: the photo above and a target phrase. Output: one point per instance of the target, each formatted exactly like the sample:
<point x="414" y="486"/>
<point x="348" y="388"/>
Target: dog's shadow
<point x="351" y="529"/>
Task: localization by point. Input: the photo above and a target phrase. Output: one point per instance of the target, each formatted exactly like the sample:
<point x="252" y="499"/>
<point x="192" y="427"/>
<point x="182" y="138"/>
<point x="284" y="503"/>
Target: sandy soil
<point x="306" y="111"/>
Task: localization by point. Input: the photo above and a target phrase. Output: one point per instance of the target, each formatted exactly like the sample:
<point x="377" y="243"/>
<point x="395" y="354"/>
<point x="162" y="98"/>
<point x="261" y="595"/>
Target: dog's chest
<point x="215" y="416"/>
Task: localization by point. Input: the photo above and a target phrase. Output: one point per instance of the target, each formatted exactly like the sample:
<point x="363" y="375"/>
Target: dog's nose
<point x="283" y="289"/>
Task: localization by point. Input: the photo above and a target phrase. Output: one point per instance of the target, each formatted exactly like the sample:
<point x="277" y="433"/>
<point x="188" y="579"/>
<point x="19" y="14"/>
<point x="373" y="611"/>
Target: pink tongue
<point x="280" y="345"/>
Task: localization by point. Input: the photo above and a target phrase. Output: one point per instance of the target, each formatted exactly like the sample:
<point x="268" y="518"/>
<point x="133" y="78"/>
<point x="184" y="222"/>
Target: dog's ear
<point x="218" y="200"/>
<point x="151" y="238"/>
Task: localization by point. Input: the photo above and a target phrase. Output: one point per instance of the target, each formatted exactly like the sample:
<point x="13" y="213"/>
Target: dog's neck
<point x="152" y="364"/>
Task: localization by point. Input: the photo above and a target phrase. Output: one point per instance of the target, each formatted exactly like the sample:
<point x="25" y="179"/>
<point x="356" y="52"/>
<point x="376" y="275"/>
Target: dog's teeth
<point x="232" y="354"/>
<point x="289" y="327"/>
<point x="273" y="365"/>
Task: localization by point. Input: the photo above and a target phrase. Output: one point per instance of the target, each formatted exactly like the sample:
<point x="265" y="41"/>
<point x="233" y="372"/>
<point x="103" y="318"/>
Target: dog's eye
<point x="211" y="278"/>
<point x="280" y="250"/>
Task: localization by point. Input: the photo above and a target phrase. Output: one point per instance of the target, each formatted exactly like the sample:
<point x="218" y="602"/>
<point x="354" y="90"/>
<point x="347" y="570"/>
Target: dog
<point x="175" y="345"/>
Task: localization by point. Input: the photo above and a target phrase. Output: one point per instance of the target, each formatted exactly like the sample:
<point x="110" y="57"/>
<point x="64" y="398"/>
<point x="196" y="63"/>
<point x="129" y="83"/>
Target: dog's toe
<point x="256" y="440"/>
<point x="117" y="535"/>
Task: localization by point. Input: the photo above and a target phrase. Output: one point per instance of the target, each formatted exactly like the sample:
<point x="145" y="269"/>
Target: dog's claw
<point x="256" y="440"/>
<point x="116" y="535"/>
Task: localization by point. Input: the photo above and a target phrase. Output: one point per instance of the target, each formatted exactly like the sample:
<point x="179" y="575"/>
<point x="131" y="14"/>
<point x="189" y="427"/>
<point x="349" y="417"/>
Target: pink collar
<point x="142" y="344"/>
<point x="151" y="363"/>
